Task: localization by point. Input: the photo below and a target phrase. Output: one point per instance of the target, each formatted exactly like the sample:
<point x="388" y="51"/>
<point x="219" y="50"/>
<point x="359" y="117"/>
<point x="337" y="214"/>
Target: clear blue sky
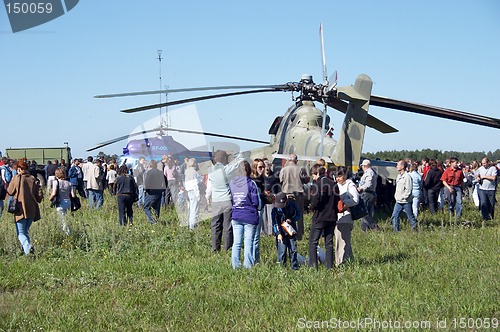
<point x="443" y="53"/>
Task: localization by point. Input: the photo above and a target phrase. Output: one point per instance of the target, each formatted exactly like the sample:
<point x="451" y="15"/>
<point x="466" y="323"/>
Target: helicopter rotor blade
<point x="371" y="121"/>
<point x="440" y="112"/>
<point x="206" y="88"/>
<point x="323" y="58"/>
<point x="216" y="135"/>
<point x="121" y="138"/>
<point x="332" y="82"/>
<point x="191" y="100"/>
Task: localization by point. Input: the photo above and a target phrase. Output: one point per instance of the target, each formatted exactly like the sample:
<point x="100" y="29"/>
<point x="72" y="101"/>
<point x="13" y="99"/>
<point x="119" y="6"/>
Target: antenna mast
<point x="159" y="75"/>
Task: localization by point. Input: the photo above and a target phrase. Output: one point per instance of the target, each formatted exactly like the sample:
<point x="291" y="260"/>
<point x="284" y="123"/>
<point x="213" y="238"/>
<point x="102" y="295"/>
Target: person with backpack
<point x="7" y="173"/>
<point x="3" y="194"/>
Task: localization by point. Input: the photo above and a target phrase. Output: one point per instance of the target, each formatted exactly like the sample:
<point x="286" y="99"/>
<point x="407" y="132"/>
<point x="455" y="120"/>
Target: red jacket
<point x="453" y="177"/>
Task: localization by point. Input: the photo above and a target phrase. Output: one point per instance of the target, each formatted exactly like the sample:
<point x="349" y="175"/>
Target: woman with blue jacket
<point x="245" y="214"/>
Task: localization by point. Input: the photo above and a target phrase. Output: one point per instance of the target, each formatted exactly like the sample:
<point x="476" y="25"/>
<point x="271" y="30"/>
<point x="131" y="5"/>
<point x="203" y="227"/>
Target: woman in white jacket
<point x="192" y="185"/>
<point x="348" y="197"/>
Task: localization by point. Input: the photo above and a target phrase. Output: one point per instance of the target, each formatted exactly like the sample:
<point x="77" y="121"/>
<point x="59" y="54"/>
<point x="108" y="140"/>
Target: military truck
<point x="41" y="156"/>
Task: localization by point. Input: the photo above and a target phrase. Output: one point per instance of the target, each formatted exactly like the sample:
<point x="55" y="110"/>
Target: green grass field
<point x="164" y="278"/>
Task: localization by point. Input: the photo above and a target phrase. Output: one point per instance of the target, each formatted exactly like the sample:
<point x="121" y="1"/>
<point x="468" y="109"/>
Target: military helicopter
<point x="303" y="128"/>
<point x="162" y="143"/>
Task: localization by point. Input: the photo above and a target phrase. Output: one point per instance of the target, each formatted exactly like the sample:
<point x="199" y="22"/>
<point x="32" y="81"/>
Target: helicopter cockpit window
<point x="276" y="124"/>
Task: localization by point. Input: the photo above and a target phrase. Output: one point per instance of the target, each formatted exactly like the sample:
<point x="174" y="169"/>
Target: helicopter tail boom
<point x="348" y="149"/>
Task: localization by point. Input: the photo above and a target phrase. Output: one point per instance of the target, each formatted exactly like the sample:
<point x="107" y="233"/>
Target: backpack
<point x="8" y="174"/>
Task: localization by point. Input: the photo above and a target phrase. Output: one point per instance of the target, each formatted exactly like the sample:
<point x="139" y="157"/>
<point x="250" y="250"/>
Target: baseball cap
<point x="366" y="162"/>
<point x="280" y="201"/>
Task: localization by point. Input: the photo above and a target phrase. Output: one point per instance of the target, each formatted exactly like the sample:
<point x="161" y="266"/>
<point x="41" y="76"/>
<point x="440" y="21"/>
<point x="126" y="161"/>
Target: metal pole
<point x="159" y="63"/>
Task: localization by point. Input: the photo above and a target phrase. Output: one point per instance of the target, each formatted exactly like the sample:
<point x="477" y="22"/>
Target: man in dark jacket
<point x="324" y="203"/>
<point x="75" y="175"/>
<point x="154" y="186"/>
<point x="433" y="185"/>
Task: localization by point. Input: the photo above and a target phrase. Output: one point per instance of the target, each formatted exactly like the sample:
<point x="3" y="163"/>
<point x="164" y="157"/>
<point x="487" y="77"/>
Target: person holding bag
<point x="62" y="191"/>
<point x="349" y="197"/>
<point x="284" y="216"/>
<point x="25" y="188"/>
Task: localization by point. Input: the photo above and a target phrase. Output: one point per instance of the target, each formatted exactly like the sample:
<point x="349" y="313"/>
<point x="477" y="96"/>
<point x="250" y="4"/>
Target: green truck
<point x="41" y="156"/>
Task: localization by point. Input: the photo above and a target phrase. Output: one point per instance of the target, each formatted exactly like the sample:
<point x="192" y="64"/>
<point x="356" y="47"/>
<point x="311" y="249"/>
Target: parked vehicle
<point x="41" y="156"/>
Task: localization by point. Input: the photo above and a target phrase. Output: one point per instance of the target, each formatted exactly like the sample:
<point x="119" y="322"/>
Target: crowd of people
<point x="250" y="199"/>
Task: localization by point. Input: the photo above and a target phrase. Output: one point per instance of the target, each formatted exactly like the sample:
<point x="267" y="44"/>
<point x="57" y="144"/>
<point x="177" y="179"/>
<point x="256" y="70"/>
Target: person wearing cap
<point x="292" y="179"/>
<point x="284" y="216"/>
<point x="367" y="188"/>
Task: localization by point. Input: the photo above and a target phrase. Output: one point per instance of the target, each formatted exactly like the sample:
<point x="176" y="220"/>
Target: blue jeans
<point x="414" y="204"/>
<point x="22" y="229"/>
<point x="247" y="231"/>
<point x="256" y="238"/>
<point x="368" y="222"/>
<point x="289" y="243"/>
<point x="398" y="207"/>
<point x="152" y="201"/>
<point x="96" y="199"/>
<point x="1" y="207"/>
<point x="140" y="202"/>
<point x="454" y="200"/>
<point x="487" y="203"/>
<point x="62" y="208"/>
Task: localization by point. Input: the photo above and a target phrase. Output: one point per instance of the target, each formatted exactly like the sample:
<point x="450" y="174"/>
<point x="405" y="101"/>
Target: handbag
<point x="75" y="203"/>
<point x="55" y="201"/>
<point x="14" y="204"/>
<point x="359" y="210"/>
<point x="341" y="206"/>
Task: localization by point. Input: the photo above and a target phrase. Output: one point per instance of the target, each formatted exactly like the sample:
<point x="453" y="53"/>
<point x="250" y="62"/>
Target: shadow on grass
<point x="391" y="258"/>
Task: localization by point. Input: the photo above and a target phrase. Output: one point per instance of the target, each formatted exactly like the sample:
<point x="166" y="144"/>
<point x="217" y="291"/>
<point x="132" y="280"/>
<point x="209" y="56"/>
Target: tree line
<point x="466" y="157"/>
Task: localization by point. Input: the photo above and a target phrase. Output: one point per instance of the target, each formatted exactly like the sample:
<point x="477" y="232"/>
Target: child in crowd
<point x="111" y="179"/>
<point x="284" y="216"/>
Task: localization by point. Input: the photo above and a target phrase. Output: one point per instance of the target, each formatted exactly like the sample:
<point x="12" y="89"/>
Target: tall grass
<point x="164" y="277"/>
